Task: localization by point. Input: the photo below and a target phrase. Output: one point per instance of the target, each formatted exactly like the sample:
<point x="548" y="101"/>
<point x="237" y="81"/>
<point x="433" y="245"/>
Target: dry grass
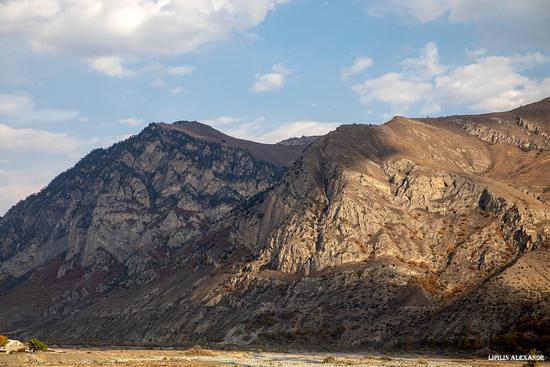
<point x="329" y="359"/>
<point x="200" y="351"/>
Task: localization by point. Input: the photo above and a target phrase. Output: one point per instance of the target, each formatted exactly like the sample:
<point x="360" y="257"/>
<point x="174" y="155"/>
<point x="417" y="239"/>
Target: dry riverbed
<point x="95" y="357"/>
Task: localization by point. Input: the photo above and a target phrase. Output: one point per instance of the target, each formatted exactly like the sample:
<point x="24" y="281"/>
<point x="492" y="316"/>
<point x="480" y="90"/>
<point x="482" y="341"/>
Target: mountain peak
<point x="273" y="153"/>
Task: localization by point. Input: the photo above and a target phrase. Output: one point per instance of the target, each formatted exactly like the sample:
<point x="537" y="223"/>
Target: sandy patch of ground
<point x="93" y="357"/>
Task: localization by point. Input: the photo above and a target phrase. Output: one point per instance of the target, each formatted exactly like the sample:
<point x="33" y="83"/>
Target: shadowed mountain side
<point x="510" y="308"/>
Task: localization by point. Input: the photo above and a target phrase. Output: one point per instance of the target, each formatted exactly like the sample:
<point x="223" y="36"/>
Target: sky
<point x="80" y="74"/>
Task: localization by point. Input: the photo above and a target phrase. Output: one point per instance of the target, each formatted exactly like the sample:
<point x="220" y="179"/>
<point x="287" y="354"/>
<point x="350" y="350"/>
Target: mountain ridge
<point x="376" y="236"/>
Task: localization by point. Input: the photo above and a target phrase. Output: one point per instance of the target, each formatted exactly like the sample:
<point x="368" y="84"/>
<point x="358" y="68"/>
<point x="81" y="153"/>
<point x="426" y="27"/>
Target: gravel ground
<point x="93" y="357"/>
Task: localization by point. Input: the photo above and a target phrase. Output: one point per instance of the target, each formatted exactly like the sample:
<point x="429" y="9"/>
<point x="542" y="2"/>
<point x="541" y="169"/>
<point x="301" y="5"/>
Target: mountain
<point x="415" y="233"/>
<point x="303" y="140"/>
<point x="119" y="218"/>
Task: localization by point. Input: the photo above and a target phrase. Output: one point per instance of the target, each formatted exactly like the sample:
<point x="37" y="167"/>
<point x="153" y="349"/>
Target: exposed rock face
<point x="421" y="231"/>
<point x="117" y="216"/>
<point x="14" y="346"/>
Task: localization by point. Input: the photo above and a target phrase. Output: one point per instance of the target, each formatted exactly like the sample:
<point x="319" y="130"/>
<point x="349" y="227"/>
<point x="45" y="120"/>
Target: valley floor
<point x="94" y="357"/>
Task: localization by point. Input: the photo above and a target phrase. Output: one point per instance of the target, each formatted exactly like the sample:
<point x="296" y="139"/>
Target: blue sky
<point x="84" y="73"/>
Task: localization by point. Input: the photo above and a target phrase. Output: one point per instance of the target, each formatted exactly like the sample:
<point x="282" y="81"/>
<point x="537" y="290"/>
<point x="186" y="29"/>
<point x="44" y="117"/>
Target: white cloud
<point x="99" y="28"/>
<point x="36" y="155"/>
<point x="17" y="185"/>
<point x="179" y="70"/>
<point x="392" y="89"/>
<point x="359" y="65"/>
<point x="478" y="52"/>
<point x="267" y="82"/>
<point x="426" y="66"/>
<point x="273" y="80"/>
<point x="493" y="83"/>
<point x="114" y="66"/>
<point x="503" y="22"/>
<point x="131" y="121"/>
<point x="490" y="83"/>
<point x="221" y="120"/>
<point x="31" y="158"/>
<point x="110" y="65"/>
<point x="15" y="139"/>
<point x="20" y="107"/>
<point x="261" y="131"/>
<point x="297" y="129"/>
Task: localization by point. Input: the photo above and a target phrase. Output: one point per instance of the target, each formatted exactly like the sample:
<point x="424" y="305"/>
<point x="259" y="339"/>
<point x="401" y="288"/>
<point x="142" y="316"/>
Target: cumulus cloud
<point x="33" y="157"/>
<point x="359" y="66"/>
<point x="393" y="89"/>
<point x="100" y="28"/>
<point x="132" y="121"/>
<point x="14" y="139"/>
<point x="273" y="80"/>
<point x="110" y="65"/>
<point x="504" y="22"/>
<point x="489" y="83"/>
<point x="19" y="107"/>
<point x="493" y="83"/>
<point x="426" y="66"/>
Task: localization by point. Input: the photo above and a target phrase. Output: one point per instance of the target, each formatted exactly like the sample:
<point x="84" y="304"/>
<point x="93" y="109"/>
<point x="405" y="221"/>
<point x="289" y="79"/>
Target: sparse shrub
<point x="3" y="340"/>
<point x="36" y="345"/>
<point x="197" y="350"/>
<point x="329" y="359"/>
<point x="422" y="361"/>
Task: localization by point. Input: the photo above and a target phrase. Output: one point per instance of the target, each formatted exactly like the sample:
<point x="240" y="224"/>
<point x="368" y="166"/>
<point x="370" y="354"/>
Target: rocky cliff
<point x="430" y="232"/>
<point x="118" y="217"/>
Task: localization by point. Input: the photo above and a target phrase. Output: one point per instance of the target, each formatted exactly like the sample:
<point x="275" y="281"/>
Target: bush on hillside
<point x="329" y="359"/>
<point x="3" y="340"/>
<point x="37" y="346"/>
<point x="197" y="350"/>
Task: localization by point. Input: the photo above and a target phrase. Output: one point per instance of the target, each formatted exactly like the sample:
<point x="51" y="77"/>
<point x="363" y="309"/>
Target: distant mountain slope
<point x="418" y="232"/>
<point x="303" y="140"/>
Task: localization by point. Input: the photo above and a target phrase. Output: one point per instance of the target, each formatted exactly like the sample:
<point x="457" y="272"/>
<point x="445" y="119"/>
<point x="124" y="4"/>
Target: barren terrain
<point x="205" y="358"/>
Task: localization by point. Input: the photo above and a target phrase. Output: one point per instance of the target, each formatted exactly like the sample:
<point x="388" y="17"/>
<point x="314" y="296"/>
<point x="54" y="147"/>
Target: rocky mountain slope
<point x="303" y="140"/>
<point x="431" y="232"/>
<point x="120" y="216"/>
